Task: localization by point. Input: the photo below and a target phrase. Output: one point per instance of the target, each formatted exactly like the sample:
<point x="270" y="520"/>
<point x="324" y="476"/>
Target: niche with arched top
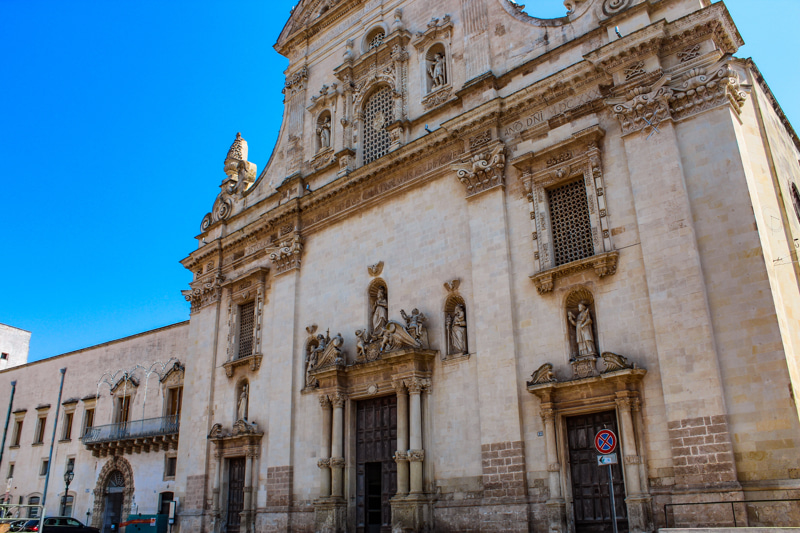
<point x="374" y="39"/>
<point x="324" y="131"/>
<point x="378" y="306"/>
<point x="437" y="71"/>
<point x="242" y="403"/>
<point x="579" y="312"/>
<point x="455" y="327"/>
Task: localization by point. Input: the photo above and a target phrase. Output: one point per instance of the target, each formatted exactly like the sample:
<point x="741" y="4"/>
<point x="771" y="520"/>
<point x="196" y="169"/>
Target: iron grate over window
<point x="247" y="318"/>
<point x="569" y="215"/>
<point x="378" y="113"/>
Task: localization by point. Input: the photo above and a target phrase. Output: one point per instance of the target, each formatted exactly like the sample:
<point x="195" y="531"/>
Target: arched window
<point x="378" y="113"/>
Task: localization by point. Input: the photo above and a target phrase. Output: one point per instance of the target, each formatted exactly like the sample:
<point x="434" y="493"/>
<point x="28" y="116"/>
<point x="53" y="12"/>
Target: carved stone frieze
<point x="416" y="456"/>
<point x="483" y="170"/>
<point x="288" y="255"/>
<point x="296" y="82"/>
<point x="701" y="91"/>
<point x="439" y="97"/>
<point x="584" y="366"/>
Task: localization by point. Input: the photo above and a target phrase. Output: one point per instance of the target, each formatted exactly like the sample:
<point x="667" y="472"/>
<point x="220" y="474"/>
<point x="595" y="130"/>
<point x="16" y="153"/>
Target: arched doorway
<point x="112" y="508"/>
<point x="113" y="495"/>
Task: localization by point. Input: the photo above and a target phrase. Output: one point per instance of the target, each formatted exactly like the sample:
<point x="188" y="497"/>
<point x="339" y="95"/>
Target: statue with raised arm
<point x="436" y="70"/>
<point x="583" y="330"/>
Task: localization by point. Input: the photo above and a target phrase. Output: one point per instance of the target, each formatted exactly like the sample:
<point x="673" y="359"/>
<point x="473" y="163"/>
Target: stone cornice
<point x="290" y="37"/>
<point x="616" y="54"/>
<point x="714" y="20"/>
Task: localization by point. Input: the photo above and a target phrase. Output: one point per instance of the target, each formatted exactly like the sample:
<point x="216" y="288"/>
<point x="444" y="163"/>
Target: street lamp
<point x="69" y="475"/>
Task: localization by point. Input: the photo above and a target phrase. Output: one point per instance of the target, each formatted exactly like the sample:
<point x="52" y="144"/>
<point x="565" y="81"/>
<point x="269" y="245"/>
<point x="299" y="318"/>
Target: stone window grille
<point x="569" y="215"/>
<point x="247" y="316"/>
<point x="571" y="226"/>
<point x="378" y="113"/>
<point x="376" y="39"/>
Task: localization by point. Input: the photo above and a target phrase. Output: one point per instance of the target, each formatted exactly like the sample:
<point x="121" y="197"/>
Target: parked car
<point x="57" y="524"/>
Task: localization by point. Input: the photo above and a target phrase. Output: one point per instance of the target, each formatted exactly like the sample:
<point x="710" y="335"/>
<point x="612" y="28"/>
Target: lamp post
<point x="69" y="475"/>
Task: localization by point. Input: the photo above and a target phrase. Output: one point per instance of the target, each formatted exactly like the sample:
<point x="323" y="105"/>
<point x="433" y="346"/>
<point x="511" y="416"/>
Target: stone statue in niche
<point x="583" y="330"/>
<point x="324" y="132"/>
<point x="380" y="311"/>
<point x="241" y="410"/>
<point x="437" y="72"/>
<point x="456" y="324"/>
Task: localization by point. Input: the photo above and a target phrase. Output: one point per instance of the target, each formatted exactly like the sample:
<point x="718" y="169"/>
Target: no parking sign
<point x="605" y="441"/>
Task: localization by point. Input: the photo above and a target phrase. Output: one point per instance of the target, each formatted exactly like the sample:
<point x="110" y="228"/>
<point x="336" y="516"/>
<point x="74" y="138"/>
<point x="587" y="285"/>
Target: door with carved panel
<point x="376" y="471"/>
<point x="235" y="493"/>
<point x="591" y="502"/>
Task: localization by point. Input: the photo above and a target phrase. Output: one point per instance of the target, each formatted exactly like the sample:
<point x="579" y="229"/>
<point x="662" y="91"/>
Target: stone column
<point x="401" y="456"/>
<point x="248" y="490"/>
<point x="217" y="482"/>
<point x="639" y="503"/>
<point x="337" y="455"/>
<point x="556" y="508"/>
<point x="324" y="462"/>
<point x="415" y="453"/>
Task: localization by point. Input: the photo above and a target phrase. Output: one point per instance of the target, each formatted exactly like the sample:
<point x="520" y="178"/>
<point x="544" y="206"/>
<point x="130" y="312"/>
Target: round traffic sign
<point x="605" y="441"/>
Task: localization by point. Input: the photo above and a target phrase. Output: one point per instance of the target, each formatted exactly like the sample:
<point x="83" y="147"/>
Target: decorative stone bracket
<point x="288" y="255"/>
<point x="204" y="291"/>
<point x="603" y="265"/>
<point x="483" y="170"/>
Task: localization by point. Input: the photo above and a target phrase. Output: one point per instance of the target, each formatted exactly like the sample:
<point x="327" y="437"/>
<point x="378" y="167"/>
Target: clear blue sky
<point x="116" y="118"/>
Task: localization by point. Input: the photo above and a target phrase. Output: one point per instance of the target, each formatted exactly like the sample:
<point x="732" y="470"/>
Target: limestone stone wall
<point x="36" y="395"/>
<point x="14" y="343"/>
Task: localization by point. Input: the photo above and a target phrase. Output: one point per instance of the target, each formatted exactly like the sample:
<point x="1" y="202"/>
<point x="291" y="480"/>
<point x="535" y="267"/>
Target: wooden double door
<point x="376" y="471"/>
<point x="591" y="499"/>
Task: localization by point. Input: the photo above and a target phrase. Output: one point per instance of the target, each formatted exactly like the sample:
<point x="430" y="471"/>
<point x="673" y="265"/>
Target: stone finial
<point x="238" y="150"/>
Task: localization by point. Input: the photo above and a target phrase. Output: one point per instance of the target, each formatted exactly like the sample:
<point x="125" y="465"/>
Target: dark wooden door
<point x="113" y="511"/>
<point x="376" y="471"/>
<point x="590" y="487"/>
<point x="235" y="493"/>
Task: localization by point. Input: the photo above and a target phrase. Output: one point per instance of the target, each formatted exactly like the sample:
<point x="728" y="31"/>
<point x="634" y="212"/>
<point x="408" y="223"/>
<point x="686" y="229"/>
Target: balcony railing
<point x="137" y="429"/>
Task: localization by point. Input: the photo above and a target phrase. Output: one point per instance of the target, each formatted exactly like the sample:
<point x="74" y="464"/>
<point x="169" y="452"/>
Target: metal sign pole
<point x="611" y="493"/>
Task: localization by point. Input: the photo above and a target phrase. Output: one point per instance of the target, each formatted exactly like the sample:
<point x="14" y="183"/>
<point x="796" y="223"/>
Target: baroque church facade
<point x="482" y="238"/>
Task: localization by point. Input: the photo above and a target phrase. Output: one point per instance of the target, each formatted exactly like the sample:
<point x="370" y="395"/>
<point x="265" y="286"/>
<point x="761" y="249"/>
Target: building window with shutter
<point x="569" y="218"/>
<point x="41" y="423"/>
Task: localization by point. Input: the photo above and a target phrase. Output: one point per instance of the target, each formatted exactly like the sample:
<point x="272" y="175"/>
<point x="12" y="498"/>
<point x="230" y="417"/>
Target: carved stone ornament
<point x="483" y="170"/>
<point x="338" y="462"/>
<point x="376" y="269"/>
<point x="701" y="91"/>
<point x="243" y="427"/>
<point x="612" y="7"/>
<point x="296" y="82"/>
<point x="616" y="362"/>
<point x="204" y="291"/>
<point x="416" y="456"/>
<point x="452" y="286"/>
<point x="288" y="255"/>
<point x="324" y="353"/>
<point x="439" y="97"/>
<point x="240" y="176"/>
<point x="392" y="336"/>
<point x="544" y="374"/>
<point x="643" y="108"/>
<point x="584" y="366"/>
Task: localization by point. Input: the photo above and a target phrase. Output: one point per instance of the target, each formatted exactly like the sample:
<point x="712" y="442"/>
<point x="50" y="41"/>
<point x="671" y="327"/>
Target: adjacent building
<point x="481" y="239"/>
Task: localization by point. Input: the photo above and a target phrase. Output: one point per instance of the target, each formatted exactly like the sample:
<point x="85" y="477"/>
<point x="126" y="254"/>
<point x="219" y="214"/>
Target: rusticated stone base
<point x="556" y="511"/>
<point x="481" y="518"/>
<point x="640" y="514"/>
<point x="702" y="453"/>
<point x="503" y="470"/>
<point x="411" y="513"/>
<point x="330" y="516"/>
